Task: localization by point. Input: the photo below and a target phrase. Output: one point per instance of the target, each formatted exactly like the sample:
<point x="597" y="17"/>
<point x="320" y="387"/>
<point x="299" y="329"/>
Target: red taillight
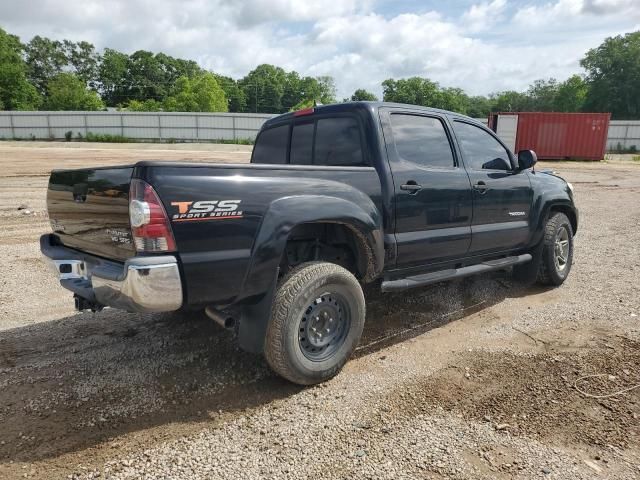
<point x="149" y="222"/>
<point x="303" y="112"/>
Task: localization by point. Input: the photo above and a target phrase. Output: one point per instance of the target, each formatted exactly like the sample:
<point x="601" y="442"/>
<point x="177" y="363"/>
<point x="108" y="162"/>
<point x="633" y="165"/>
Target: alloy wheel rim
<point x="561" y="249"/>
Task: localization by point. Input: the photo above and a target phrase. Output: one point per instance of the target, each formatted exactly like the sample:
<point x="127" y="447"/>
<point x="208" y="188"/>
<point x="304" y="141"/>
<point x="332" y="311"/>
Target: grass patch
<point x="620" y="149"/>
<point x="107" y="138"/>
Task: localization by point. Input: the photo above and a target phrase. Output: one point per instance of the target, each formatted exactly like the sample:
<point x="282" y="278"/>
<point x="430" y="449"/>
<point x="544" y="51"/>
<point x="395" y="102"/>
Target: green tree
<point x="16" y="93"/>
<point x="453" y="99"/>
<point x="571" y="95"/>
<point x="613" y="76"/>
<point x="68" y="92"/>
<point x="150" y="105"/>
<point x="302" y="105"/>
<point x="414" y="91"/>
<point x="141" y="76"/>
<point x="509" y="101"/>
<point x="326" y="89"/>
<point x="263" y="88"/>
<point x="307" y="90"/>
<point x="146" y="77"/>
<point x="175" y="68"/>
<point x="479" y="106"/>
<point x="294" y="90"/>
<point x="45" y="59"/>
<point x="235" y="95"/>
<point x="361" y="95"/>
<point x="542" y="95"/>
<point x="83" y="60"/>
<point x="113" y="77"/>
<point x="198" y="94"/>
<point x="269" y="89"/>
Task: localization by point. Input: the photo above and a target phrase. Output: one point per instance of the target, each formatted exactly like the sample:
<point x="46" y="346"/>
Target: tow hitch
<point x="84" y="304"/>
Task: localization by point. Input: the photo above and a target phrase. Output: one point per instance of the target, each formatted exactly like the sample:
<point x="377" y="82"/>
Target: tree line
<point x="49" y="74"/>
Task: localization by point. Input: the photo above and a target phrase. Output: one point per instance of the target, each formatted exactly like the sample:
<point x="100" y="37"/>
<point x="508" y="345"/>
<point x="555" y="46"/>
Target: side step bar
<point x="442" y="275"/>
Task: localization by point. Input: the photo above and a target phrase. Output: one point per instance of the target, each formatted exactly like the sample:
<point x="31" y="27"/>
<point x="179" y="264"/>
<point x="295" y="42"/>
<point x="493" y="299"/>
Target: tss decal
<point x="206" y="210"/>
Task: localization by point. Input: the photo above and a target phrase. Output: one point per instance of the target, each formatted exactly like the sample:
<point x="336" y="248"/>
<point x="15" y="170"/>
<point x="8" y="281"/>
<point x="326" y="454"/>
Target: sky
<point x="479" y="46"/>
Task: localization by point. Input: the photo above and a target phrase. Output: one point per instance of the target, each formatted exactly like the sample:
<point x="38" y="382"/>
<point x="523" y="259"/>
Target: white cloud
<point x="549" y="13"/>
<point x="493" y="45"/>
<point x="253" y="12"/>
<point x="587" y="12"/>
<point x="608" y="7"/>
<point x="482" y="16"/>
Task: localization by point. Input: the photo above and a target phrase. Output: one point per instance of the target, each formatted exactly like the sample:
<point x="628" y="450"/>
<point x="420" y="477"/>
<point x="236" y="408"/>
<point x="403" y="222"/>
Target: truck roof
<point x="360" y="105"/>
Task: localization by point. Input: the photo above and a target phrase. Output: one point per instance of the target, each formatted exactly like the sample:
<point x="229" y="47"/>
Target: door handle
<point x="481" y="187"/>
<point x="411" y="186"/>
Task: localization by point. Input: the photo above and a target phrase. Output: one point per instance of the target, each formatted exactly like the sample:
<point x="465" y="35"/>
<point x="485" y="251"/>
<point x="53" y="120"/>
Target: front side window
<point x="421" y="140"/>
<point x="271" y="146"/>
<point x="479" y="149"/>
<point x="338" y="142"/>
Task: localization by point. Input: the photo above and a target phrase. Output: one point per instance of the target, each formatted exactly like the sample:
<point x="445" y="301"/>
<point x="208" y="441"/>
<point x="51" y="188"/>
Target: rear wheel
<point x="316" y="322"/>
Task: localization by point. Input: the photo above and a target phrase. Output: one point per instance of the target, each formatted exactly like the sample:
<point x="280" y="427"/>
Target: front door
<point x="432" y="192"/>
<point x="502" y="195"/>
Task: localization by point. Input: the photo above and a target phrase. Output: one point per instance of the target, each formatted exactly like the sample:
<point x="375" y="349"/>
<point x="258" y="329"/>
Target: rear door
<point x="432" y="192"/>
<point x="502" y="195"/>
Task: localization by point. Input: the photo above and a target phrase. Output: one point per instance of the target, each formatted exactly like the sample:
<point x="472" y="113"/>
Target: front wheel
<point x="557" y="251"/>
<point x="316" y="323"/>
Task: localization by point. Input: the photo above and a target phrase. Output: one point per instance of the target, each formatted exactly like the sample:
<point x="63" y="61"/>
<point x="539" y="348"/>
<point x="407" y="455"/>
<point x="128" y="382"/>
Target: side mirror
<point x="526" y="159"/>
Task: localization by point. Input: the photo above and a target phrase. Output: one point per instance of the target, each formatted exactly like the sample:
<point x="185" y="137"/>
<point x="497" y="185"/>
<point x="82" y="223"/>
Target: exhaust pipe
<point x="225" y="321"/>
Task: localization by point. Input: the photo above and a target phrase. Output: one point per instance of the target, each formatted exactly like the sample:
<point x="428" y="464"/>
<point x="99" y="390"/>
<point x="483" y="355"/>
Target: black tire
<point x="311" y="291"/>
<point x="551" y="270"/>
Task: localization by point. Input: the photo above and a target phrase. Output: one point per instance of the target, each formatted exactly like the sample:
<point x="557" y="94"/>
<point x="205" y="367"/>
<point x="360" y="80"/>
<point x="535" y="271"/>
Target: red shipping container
<point x="552" y="135"/>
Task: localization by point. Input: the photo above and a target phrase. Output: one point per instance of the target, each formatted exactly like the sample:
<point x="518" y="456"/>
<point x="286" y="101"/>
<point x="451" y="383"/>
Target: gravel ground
<point x="469" y="379"/>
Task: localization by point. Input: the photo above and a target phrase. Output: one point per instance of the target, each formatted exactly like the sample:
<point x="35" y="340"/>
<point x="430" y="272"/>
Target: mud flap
<point x="528" y="272"/>
<point x="254" y="319"/>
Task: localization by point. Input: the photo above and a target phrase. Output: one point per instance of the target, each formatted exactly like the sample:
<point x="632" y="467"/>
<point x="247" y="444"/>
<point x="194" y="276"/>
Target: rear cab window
<point x="338" y="143"/>
<point x="326" y="140"/>
<point x="271" y="145"/>
<point x="302" y="143"/>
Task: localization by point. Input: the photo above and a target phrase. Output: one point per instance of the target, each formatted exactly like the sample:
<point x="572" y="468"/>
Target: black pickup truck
<point x="335" y="197"/>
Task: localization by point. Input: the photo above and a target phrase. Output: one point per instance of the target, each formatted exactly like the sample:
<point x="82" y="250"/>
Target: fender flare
<point x="559" y="203"/>
<point x="284" y="214"/>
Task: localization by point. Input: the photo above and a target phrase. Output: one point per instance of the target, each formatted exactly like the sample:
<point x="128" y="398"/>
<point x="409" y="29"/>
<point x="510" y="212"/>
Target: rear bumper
<point x="141" y="284"/>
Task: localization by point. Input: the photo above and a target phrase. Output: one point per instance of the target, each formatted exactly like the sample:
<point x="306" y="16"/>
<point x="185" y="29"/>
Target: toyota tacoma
<point x="335" y="197"/>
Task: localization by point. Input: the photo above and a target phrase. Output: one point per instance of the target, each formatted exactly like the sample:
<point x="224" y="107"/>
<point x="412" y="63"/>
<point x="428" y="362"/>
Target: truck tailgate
<point x="89" y="210"/>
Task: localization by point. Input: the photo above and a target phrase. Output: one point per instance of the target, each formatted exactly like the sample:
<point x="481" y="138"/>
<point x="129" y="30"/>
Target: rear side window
<point x="302" y="144"/>
<point x="421" y="140"/>
<point x="271" y="145"/>
<point x="479" y="149"/>
<point x="338" y="142"/>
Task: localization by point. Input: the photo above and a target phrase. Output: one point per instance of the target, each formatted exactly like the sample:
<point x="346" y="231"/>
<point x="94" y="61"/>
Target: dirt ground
<point x="478" y="378"/>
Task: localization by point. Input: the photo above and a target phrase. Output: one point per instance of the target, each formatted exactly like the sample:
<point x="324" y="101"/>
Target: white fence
<point x="623" y="134"/>
<point x="139" y="125"/>
<point x="191" y="127"/>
